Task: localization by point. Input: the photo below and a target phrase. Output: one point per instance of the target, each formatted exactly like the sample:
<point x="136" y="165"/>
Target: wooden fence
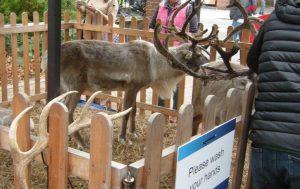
<point x="146" y="171"/>
<point x="97" y="167"/>
<point x="24" y="34"/>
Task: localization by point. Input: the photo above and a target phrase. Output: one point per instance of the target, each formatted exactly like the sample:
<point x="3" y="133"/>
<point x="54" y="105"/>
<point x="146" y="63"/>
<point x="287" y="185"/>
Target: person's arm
<point x="153" y="20"/>
<point x="255" y="51"/>
<point x="80" y="5"/>
<point x="113" y="9"/>
<point x="194" y="22"/>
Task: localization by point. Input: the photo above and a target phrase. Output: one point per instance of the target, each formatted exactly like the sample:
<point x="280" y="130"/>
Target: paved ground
<point x="211" y="15"/>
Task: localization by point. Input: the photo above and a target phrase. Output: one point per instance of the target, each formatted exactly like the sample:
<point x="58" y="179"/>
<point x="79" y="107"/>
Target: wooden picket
<point x="26" y="55"/>
<point x="3" y="62"/>
<point x="14" y="50"/>
<point x="58" y="144"/>
<point x="20" y="102"/>
<point x="101" y="152"/>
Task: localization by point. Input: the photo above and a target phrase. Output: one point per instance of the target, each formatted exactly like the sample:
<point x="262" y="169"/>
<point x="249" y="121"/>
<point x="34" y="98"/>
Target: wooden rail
<point x="157" y="162"/>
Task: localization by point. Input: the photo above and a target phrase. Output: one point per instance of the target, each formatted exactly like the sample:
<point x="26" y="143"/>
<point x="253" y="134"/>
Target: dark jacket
<point x="235" y="13"/>
<point x="275" y="57"/>
<point x="193" y="23"/>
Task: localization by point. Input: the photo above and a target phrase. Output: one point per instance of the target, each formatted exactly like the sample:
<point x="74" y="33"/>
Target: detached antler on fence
<point x="22" y="159"/>
<point x="83" y="121"/>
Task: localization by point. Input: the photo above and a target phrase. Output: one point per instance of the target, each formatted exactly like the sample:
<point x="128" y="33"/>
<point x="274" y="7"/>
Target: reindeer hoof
<point x="122" y="140"/>
<point x="134" y="135"/>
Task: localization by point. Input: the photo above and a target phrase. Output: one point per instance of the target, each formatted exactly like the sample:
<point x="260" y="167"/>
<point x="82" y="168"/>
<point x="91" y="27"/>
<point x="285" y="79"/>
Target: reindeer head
<point x="193" y="58"/>
<point x="188" y="56"/>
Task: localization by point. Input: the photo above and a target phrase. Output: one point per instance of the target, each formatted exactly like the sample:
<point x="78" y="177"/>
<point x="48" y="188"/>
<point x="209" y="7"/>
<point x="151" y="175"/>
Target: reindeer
<point x="219" y="88"/>
<point x="217" y="77"/>
<point x="90" y="65"/>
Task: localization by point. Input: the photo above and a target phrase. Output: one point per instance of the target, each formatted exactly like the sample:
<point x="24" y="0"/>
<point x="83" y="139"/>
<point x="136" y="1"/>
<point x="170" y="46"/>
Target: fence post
<point x="45" y="47"/>
<point x="242" y="143"/>
<point x="37" y="66"/>
<point x="3" y="62"/>
<point x="20" y="102"/>
<point x="14" y="52"/>
<point x="209" y="113"/>
<point x="154" y="146"/>
<point x="25" y="54"/>
<point x="58" y="146"/>
<point x="79" y="32"/>
<point x="100" y="152"/>
<point x="231" y="105"/>
<point x="183" y="131"/>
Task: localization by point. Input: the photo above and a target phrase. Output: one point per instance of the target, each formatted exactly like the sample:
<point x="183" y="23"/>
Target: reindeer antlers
<point x="211" y="39"/>
<point x="182" y="32"/>
<point x="83" y="121"/>
<point x="22" y="159"/>
<point x="247" y="21"/>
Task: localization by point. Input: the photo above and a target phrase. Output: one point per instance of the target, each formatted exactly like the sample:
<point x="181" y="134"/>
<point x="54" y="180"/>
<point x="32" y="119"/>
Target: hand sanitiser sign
<point x="204" y="162"/>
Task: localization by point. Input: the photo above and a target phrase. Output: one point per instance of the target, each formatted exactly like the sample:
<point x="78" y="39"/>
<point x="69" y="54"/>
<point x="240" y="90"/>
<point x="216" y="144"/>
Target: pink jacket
<point x="166" y="19"/>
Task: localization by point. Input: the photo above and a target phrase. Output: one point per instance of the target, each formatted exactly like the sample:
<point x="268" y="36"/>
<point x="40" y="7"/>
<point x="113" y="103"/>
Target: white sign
<point x="204" y="162"/>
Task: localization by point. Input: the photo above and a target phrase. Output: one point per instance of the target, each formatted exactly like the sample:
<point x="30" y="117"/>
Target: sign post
<point x="204" y="162"/>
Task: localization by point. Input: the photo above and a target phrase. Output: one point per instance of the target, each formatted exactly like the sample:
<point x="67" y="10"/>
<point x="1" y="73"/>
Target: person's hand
<point x="91" y="8"/>
<point x="80" y="5"/>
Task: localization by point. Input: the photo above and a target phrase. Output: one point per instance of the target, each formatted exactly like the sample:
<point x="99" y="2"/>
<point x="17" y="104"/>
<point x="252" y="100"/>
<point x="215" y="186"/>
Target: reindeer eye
<point x="188" y="55"/>
<point x="198" y="51"/>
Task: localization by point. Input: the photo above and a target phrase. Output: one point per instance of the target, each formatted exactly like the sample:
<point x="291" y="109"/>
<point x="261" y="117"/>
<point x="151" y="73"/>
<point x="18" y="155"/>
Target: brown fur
<point x="96" y="65"/>
<point x="219" y="89"/>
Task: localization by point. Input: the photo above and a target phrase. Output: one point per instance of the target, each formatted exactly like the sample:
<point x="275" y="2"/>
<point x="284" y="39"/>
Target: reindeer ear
<point x="240" y="82"/>
<point x="188" y="55"/>
<point x="198" y="51"/>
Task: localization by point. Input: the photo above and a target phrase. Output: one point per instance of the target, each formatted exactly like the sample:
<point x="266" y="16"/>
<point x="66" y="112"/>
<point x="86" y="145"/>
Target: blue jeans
<point x="237" y="35"/>
<point x="262" y="7"/>
<point x="161" y="102"/>
<point x="274" y="170"/>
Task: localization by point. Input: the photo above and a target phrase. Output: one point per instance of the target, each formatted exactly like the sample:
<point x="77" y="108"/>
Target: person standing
<point x="164" y="13"/>
<point x="102" y="7"/>
<point x="237" y="17"/>
<point x="99" y="7"/>
<point x="262" y="7"/>
<point x="275" y="125"/>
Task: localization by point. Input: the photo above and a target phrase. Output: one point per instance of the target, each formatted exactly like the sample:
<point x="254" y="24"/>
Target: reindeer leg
<point x="71" y="102"/>
<point x="129" y="101"/>
<point x="132" y="119"/>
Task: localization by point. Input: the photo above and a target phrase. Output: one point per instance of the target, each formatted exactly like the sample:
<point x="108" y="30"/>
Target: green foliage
<point x="20" y="6"/>
<point x="70" y="6"/>
<point x="30" y="6"/>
